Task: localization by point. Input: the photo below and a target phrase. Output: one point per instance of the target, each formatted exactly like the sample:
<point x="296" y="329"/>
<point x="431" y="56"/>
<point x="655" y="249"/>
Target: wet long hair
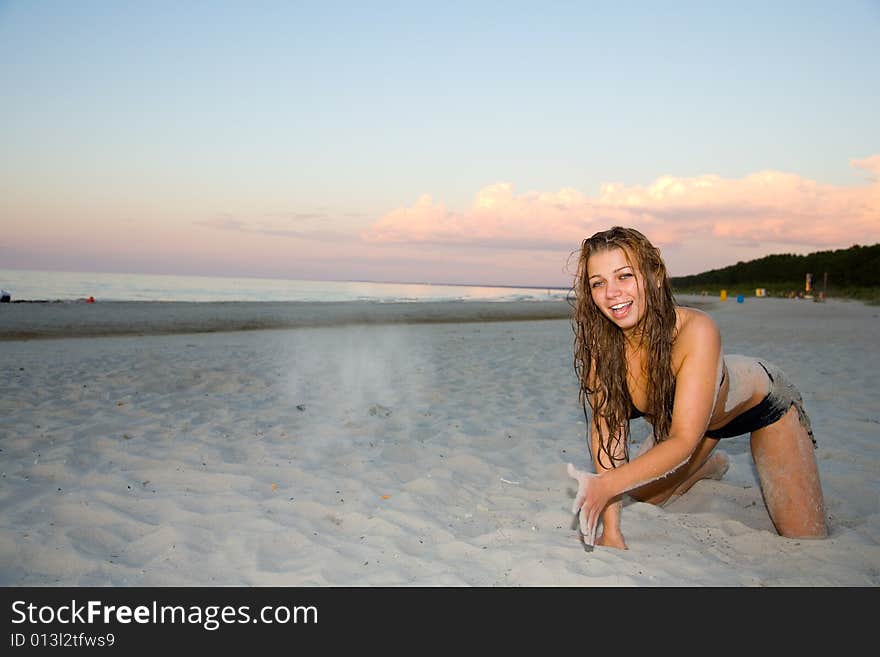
<point x="600" y="349"/>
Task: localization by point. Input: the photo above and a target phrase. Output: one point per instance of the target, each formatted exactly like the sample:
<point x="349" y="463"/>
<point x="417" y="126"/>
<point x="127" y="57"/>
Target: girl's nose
<point x="612" y="289"/>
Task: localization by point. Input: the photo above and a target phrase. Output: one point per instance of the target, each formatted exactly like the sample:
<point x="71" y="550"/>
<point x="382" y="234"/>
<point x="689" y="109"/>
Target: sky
<point x="454" y="142"/>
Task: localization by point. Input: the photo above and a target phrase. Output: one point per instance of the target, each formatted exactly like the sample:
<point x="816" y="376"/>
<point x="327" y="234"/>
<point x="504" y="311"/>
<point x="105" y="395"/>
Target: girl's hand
<point x="589" y="501"/>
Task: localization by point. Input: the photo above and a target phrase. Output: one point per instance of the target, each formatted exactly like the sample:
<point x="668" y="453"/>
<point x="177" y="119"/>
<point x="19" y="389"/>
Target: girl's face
<point x="616" y="287"/>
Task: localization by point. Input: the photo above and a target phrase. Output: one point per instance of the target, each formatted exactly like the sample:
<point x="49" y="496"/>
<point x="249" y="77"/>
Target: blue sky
<point x="297" y="139"/>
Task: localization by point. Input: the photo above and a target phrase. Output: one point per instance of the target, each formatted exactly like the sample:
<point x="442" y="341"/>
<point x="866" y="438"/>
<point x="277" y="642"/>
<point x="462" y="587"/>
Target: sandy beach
<point x="160" y="444"/>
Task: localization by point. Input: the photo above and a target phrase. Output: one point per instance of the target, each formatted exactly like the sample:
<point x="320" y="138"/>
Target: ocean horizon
<point x="35" y="285"/>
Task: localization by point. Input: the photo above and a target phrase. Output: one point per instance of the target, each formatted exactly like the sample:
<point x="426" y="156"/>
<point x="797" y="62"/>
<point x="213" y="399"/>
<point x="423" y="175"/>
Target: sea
<point x="29" y="285"/>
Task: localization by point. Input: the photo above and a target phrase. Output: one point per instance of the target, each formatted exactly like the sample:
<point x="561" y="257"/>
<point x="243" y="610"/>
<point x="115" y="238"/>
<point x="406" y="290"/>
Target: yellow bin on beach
<point x="724" y="295"/>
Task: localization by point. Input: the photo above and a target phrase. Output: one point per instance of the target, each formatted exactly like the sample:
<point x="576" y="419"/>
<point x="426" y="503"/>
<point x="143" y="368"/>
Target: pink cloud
<point x="768" y="206"/>
<point x="871" y="164"/>
<point x="497" y="218"/>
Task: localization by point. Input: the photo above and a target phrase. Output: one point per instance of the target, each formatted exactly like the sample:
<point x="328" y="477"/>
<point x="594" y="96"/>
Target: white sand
<point x="422" y="454"/>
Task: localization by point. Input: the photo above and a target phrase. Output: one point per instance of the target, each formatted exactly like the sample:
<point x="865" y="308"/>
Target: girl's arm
<point x="695" y="382"/>
<point x="611" y="535"/>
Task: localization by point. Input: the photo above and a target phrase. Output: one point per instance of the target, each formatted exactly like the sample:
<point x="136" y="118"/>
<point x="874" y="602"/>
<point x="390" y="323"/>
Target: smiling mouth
<point x="621" y="309"/>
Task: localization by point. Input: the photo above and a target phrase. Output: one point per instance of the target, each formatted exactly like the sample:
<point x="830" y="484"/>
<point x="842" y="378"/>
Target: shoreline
<point x="52" y="320"/>
<point x="46" y="320"/>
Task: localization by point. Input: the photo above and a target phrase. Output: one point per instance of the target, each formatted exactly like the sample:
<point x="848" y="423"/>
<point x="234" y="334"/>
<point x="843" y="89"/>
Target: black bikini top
<point x="635" y="413"/>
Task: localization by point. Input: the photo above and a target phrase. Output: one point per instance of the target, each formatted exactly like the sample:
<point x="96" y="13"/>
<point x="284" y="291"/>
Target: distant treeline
<point x="850" y="272"/>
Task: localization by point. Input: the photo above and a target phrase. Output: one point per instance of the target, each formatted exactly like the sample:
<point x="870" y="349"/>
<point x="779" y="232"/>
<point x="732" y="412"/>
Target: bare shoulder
<point x="691" y="320"/>
<point x="695" y="330"/>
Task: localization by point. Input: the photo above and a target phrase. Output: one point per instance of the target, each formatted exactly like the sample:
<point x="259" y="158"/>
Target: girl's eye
<point x="595" y="284"/>
<point x="627" y="275"/>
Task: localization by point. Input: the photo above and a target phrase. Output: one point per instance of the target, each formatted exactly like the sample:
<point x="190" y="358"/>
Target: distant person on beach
<point x="639" y="354"/>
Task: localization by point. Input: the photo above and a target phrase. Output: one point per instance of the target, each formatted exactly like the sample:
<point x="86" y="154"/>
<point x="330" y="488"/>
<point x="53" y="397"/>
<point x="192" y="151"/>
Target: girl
<point x="637" y="354"/>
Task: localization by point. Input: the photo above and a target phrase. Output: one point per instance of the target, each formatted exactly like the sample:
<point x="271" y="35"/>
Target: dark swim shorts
<point x="781" y="396"/>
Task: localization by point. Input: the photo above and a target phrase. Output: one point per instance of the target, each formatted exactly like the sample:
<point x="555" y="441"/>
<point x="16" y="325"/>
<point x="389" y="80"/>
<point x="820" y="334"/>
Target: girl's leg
<point x="702" y="465"/>
<point x="783" y="454"/>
